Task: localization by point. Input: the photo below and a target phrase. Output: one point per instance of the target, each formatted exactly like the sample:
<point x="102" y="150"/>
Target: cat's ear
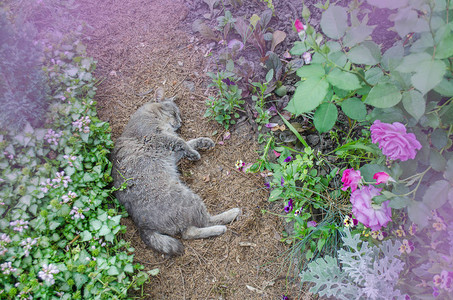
<point x="159" y="94"/>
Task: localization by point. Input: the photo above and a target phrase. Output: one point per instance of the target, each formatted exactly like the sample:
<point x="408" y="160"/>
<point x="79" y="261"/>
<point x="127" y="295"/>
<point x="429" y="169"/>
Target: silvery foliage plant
<point x="362" y="271"/>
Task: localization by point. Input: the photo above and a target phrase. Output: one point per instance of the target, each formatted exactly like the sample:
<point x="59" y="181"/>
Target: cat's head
<point x="163" y="111"/>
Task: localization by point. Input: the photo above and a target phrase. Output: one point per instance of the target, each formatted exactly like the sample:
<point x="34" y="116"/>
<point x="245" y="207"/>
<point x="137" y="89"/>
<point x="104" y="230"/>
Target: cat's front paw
<point x="193" y="155"/>
<point x="205" y="143"/>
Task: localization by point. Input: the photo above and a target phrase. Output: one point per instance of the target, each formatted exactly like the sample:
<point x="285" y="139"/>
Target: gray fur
<point x="161" y="206"/>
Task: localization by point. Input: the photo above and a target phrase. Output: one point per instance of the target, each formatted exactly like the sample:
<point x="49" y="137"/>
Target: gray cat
<point x="161" y="206"/>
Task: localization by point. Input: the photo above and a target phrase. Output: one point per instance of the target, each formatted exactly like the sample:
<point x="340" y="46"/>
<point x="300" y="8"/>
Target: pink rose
<point x="393" y="140"/>
<point x="350" y="179"/>
<point x="364" y="210"/>
<point x="299" y="26"/>
<point x="382" y="177"/>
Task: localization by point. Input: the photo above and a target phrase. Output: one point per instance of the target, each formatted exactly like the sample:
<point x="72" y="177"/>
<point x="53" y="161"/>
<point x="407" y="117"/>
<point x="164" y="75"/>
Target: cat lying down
<point x="146" y="156"/>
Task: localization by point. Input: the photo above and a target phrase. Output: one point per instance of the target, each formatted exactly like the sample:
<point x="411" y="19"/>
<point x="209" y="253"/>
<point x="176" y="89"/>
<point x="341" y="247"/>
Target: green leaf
<point x="113" y="271"/>
<point x="309" y="94"/>
<point x="86" y="235"/>
<point x="437" y="161"/>
<point x="334" y="22"/>
<point x="275" y="194"/>
<point x="439" y="138"/>
<point x="417" y="212"/>
<point x="356" y="35"/>
<point x="414" y="103"/>
<point x="80" y="280"/>
<point x="448" y="174"/>
<point x="445" y="87"/>
<point x="96" y="224"/>
<point x="104" y="230"/>
<point x="367" y="53"/>
<point x="129" y="268"/>
<point x="436" y="194"/>
<point x="311" y="71"/>
<point x="298" y="49"/>
<point x="153" y="272"/>
<point x="373" y="75"/>
<point x="354" y="108"/>
<point x="445" y="47"/>
<point x="392" y="57"/>
<point x="390" y="4"/>
<point x="428" y="75"/>
<point x="325" y="117"/>
<point x="87" y="177"/>
<point x="411" y="62"/>
<point x="399" y="202"/>
<point x="405" y="21"/>
<point x="343" y="80"/>
<point x="384" y="96"/>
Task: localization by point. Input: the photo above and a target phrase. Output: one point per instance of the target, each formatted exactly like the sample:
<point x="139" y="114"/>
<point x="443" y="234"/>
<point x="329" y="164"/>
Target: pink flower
<point x="393" y="140"/>
<point x="306" y="57"/>
<point x="311" y="224"/>
<point x="299" y="26"/>
<point x="365" y="211"/>
<point x="277" y="154"/>
<point x="382" y="177"/>
<point x="350" y="179"/>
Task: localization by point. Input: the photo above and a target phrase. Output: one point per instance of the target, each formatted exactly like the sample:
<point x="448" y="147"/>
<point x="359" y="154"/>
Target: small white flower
<point x="47" y="273"/>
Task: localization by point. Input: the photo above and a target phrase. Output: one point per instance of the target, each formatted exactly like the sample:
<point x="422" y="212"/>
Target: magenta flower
<point x="351" y="178"/>
<point x="382" y="177"/>
<point x="365" y="211"/>
<point x="299" y="26"/>
<point x="393" y="140"/>
<point x="277" y="154"/>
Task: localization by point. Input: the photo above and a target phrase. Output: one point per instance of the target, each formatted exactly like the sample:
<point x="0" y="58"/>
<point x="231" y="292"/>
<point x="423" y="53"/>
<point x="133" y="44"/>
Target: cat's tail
<point x="162" y="243"/>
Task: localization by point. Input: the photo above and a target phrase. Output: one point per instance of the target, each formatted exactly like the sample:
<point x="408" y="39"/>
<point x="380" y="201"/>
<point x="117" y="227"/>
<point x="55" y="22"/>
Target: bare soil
<point x="141" y="45"/>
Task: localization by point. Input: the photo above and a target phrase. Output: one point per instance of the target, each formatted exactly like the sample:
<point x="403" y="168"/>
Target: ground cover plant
<point x="388" y="177"/>
<point x="59" y="226"/>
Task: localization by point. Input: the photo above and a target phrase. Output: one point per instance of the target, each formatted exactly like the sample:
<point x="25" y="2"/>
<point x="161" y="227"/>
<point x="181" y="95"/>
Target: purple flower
<point x="288" y="159"/>
<point x="311" y="224"/>
<point x="435" y="292"/>
<point x="228" y="82"/>
<point x="282" y="181"/>
<point x="284" y="297"/>
<point x="393" y="140"/>
<point x="447" y="280"/>
<point x="351" y="178"/>
<point x="365" y="212"/>
<point x="267" y="185"/>
<point x="290" y="206"/>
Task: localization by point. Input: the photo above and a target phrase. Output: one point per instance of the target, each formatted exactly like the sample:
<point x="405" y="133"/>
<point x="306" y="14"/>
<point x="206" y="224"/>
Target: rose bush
<point x="365" y="211"/>
<point x="393" y="140"/>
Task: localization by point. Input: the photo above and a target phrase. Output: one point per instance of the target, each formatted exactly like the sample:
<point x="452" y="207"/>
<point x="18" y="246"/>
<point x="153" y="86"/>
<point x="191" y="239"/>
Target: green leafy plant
<point x="23" y="90"/>
<point x="59" y="226"/>
<point x="223" y="107"/>
<point x="408" y="86"/>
